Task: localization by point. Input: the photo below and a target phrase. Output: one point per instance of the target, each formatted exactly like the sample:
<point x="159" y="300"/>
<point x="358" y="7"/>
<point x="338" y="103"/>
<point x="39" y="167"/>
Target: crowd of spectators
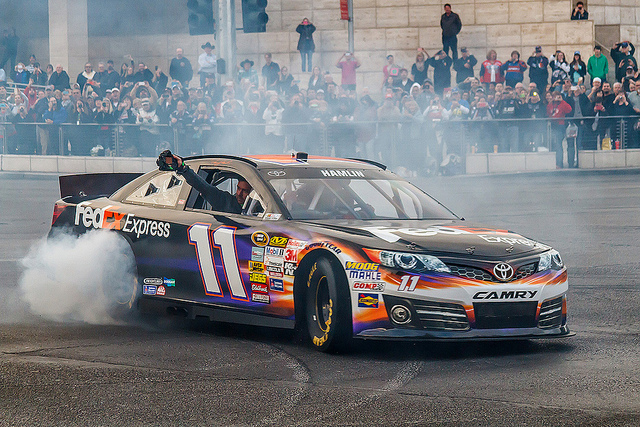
<point x="416" y="113"/>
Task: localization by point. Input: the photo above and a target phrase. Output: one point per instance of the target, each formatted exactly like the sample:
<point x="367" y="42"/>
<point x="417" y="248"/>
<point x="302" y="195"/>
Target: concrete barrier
<point x="609" y="159"/>
<point x="75" y="164"/>
<point x="510" y="162"/>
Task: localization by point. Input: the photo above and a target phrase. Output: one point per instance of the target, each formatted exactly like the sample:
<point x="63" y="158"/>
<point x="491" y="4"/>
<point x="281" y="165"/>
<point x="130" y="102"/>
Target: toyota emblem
<point x="503" y="272"/>
<point x="276" y="173"/>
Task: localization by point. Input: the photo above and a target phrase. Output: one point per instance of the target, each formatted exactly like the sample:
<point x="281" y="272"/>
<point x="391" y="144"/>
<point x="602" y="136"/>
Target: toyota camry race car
<point x="341" y="248"/>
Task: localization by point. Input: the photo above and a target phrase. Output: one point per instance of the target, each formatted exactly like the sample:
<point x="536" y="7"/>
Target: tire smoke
<point x="87" y="278"/>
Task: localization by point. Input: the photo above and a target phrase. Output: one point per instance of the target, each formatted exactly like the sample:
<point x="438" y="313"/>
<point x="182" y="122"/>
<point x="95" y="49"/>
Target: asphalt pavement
<point x="168" y="372"/>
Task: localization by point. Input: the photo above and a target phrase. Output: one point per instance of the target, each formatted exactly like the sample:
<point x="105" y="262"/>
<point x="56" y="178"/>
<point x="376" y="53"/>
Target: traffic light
<point x="254" y="17"/>
<point x="200" y="18"/>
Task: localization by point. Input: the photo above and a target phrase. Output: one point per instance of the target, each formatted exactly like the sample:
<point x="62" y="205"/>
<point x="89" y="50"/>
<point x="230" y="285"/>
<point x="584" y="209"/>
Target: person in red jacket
<point x="490" y="70"/>
<point x="558" y="108"/>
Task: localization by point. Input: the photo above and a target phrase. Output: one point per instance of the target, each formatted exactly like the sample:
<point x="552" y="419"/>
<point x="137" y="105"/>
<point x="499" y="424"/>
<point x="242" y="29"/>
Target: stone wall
<point x="398" y="27"/>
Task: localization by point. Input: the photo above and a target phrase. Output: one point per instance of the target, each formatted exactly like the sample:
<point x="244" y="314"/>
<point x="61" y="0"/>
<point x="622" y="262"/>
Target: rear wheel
<point x="123" y="294"/>
<point x="328" y="307"/>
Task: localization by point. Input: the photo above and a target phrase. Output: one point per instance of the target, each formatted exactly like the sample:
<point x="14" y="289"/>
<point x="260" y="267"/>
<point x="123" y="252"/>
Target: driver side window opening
<point x="225" y="181"/>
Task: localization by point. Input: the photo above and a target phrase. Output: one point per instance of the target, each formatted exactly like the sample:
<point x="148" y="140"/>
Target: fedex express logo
<point x="109" y="219"/>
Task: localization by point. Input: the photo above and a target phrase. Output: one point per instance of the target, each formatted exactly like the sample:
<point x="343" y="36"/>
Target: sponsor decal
<point x="289" y="268"/>
<point x="368" y="300"/>
<point x="296" y="244"/>
<point x="182" y="201"/>
<point x="274" y="261"/>
<point x="327" y="245"/>
<point x="276" y="285"/>
<point x="149" y="289"/>
<point x="169" y="282"/>
<point x="161" y="290"/>
<point x="291" y="255"/>
<point x="260" y="238"/>
<point x="507" y="240"/>
<point x="256" y="267"/>
<point x="261" y="298"/>
<point x="350" y="265"/>
<point x="258" y="277"/>
<point x="128" y="223"/>
<point x="276" y="173"/>
<point x="369" y="286"/>
<point x="270" y="250"/>
<point x="505" y="295"/>
<point x="365" y="275"/>
<point x="342" y="172"/>
<point x="278" y="241"/>
<point x="259" y="287"/>
<point x="390" y="234"/>
<point x="271" y="216"/>
<point x="152" y="281"/>
<point x="274" y="269"/>
<point x="279" y="274"/>
<point x="257" y="254"/>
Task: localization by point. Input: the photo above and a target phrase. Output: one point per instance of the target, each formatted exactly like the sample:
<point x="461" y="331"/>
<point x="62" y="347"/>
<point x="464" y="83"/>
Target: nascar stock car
<point x="340" y="248"/>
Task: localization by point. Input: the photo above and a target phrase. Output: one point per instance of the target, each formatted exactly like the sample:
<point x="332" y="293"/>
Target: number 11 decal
<point x="223" y="239"/>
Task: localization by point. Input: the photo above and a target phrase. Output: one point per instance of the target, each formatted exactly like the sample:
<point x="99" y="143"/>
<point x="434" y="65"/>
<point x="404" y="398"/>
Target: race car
<point x="340" y="249"/>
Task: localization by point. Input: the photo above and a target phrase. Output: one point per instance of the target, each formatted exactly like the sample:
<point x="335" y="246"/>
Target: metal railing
<point x="415" y="145"/>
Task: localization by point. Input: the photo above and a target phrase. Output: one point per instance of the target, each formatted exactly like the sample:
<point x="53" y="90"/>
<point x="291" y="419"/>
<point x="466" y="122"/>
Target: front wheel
<point x="328" y="306"/>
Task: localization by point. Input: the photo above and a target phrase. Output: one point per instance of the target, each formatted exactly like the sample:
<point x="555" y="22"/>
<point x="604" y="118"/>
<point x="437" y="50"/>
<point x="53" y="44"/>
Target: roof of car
<point x="279" y="160"/>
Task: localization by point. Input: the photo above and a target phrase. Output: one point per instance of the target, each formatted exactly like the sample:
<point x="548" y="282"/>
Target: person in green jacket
<point x="598" y="65"/>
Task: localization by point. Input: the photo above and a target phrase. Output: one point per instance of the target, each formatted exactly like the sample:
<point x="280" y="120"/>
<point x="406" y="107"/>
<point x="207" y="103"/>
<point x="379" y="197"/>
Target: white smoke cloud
<point x="85" y="278"/>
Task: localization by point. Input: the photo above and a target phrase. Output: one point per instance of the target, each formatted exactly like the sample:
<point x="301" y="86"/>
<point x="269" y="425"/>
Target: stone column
<point x="68" y="35"/>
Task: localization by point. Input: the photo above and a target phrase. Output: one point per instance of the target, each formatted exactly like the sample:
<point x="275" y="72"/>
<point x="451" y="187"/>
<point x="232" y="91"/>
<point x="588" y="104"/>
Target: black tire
<point x="328" y="307"/>
<point x="124" y="297"/>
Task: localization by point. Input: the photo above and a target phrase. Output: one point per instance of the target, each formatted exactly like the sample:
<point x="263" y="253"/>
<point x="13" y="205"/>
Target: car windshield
<point x="356" y="198"/>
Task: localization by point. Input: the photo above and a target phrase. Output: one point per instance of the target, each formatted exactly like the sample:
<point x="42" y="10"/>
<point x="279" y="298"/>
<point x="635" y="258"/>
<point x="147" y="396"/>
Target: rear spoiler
<point x="94" y="184"/>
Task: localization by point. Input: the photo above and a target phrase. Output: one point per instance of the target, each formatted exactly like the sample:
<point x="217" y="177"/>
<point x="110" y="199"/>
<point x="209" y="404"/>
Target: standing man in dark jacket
<point x="441" y="64"/>
<point x="306" y="46"/>
<point x="464" y="65"/>
<point x="451" y="26"/>
<point x="180" y="69"/>
<point x="10" y="43"/>
<point x="538" y="69"/>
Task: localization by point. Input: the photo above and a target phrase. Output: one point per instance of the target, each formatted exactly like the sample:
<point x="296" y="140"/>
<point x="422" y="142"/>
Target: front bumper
<point x="470" y="335"/>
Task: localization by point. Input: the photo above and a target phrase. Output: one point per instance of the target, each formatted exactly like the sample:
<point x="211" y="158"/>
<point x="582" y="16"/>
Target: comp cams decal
<point x="128" y="223"/>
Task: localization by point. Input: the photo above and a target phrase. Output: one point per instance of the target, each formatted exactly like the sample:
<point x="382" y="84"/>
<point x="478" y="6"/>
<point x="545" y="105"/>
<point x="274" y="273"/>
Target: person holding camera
<point x="306" y="46"/>
<point x="622" y="55"/>
<point x="579" y="12"/>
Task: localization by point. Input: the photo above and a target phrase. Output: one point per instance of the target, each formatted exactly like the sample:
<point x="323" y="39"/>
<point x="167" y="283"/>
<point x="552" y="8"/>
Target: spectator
<point x="507" y="107"/>
<point x="578" y="69"/>
<point x="208" y="63"/>
<point x="53" y="116"/>
<point x="598" y="65"/>
<point x="20" y="75"/>
<point x="538" y="72"/>
<point x="10" y="43"/>
<point x="160" y="80"/>
<point x="285" y="82"/>
<point x="533" y="131"/>
<point x="622" y="107"/>
<point x="365" y="116"/>
<point x="306" y="46"/>
<point x="270" y="72"/>
<point x="390" y="70"/>
<point x="559" y="67"/>
<point x="513" y="70"/>
<point x="31" y="65"/>
<point x="109" y="78"/>
<point x="622" y="55"/>
<point x="420" y="68"/>
<point x="490" y="70"/>
<point x="143" y="74"/>
<point x="180" y="69"/>
<point x="558" y="108"/>
<point x="451" y="26"/>
<point x="179" y="119"/>
<point x="87" y="74"/>
<point x="348" y="67"/>
<point x="579" y="12"/>
<point x="464" y="65"/>
<point x="404" y="82"/>
<point x="25" y="135"/>
<point x="59" y="79"/>
<point x="147" y="118"/>
<point x="3" y="76"/>
<point x="38" y="76"/>
<point x="316" y="80"/>
<point x="629" y="78"/>
<point x="388" y="117"/>
<point x="441" y="64"/>
<point x="248" y="72"/>
<point x="49" y="71"/>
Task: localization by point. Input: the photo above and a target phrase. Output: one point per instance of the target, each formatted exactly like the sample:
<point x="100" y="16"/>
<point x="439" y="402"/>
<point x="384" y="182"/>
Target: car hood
<point x="450" y="237"/>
